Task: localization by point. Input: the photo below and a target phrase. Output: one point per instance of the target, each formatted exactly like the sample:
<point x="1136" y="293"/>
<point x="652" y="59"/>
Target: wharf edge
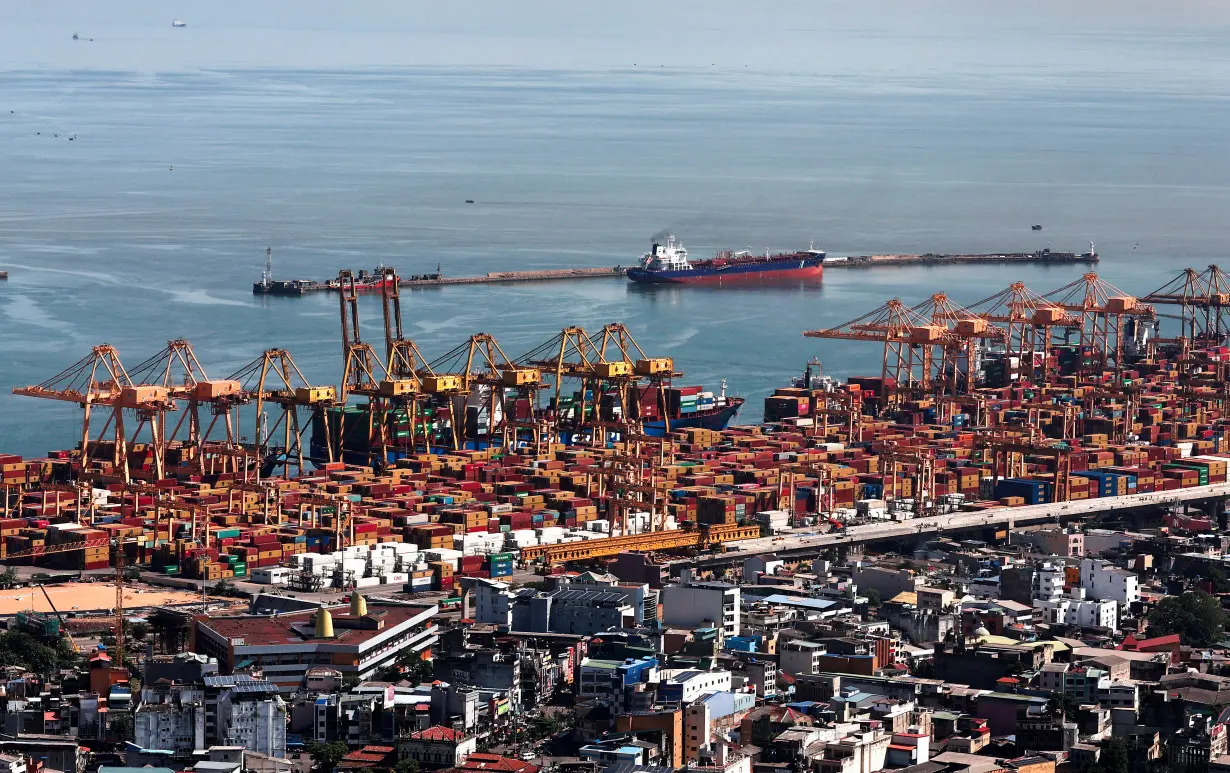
<point x="294" y="287"/>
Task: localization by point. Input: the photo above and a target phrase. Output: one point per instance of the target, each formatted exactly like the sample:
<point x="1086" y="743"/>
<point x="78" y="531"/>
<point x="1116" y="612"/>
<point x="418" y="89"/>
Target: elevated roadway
<point x="802" y="543"/>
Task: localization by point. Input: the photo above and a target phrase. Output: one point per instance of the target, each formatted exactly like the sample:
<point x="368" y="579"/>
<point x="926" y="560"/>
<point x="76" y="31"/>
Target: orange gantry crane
<point x="472" y="377"/>
<point x="1030" y="321"/>
<point x="1103" y="310"/>
<point x="909" y="341"/>
<point x="1007" y="451"/>
<point x="177" y="370"/>
<point x="274" y="381"/>
<point x="1203" y="299"/>
<point x="405" y="368"/>
<point x="100" y="380"/>
<point x="965" y="337"/>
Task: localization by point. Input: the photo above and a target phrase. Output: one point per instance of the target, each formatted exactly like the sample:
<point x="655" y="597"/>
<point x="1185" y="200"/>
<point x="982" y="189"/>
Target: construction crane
<point x="1103" y="309"/>
<point x="1203" y="299"/>
<point x="117" y="547"/>
<point x="60" y="617"/>
<point x="273" y="379"/>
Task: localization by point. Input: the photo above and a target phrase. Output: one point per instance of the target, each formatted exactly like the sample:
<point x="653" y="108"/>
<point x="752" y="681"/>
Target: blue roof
<point x="855" y="698"/>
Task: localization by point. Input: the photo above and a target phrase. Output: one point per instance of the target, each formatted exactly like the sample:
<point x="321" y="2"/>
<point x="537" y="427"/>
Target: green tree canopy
<point x="1195" y="615"/>
<point x="325" y="756"/>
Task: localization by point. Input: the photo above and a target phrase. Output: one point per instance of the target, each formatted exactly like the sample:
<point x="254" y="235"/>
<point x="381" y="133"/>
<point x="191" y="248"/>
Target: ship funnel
<point x="358" y="605"/>
<point x="324" y="624"/>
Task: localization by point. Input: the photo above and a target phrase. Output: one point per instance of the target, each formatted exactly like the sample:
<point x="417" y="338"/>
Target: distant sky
<point x="910" y="37"/>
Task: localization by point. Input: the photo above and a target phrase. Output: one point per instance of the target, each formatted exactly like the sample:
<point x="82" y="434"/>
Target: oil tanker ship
<point x="668" y="264"/>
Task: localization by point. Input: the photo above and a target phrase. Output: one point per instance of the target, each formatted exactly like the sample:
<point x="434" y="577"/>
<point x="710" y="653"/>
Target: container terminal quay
<point x="420" y="475"/>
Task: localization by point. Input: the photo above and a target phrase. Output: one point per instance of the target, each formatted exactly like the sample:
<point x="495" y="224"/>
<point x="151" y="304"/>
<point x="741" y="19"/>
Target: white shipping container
<point x="394" y="578"/>
<point x="367" y="582"/>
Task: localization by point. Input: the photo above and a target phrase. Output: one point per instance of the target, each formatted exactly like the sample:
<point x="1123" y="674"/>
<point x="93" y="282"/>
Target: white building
<point x="1102" y="580"/>
<point x="247" y="712"/>
<point x="170" y="718"/>
<point x="801" y="657"/>
<point x="1075" y="609"/>
<point x="693" y="604"/>
<point x="1048" y="582"/>
<point x="682" y="685"/>
<point x="12" y="763"/>
<point x="493" y="602"/>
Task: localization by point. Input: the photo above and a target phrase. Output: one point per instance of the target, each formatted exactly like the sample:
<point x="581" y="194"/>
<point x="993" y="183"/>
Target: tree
<point x="325" y="756"/>
<point x="138" y="631"/>
<point x="8" y="578"/>
<point x="1195" y="615"/>
<point x="1063" y="704"/>
<point x="121" y="726"/>
<point x="1115" y="756"/>
<point x="225" y="587"/>
<point x="406" y="766"/>
<point x="18" y="648"/>
<point x="873" y="597"/>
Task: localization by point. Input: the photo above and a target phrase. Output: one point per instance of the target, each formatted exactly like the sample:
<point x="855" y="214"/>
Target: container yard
<point x="476" y="464"/>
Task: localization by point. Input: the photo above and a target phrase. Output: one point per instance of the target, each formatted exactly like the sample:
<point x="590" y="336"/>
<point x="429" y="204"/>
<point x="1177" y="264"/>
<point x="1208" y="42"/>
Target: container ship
<point x="668" y="264"/>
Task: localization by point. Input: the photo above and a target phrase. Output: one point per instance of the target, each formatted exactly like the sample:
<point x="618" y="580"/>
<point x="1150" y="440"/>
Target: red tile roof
<point x="495" y="763"/>
<point x="438" y="733"/>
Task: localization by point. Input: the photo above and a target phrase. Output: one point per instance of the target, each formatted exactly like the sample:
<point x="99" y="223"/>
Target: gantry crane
<point x="1030" y="322"/>
<point x="274" y="379"/>
<point x="1103" y="309"/>
<point x="919" y="463"/>
<point x="1008" y="450"/>
<point x="99" y="379"/>
<point x="405" y="368"/>
<point x="475" y="375"/>
<point x="177" y="369"/>
<point x="965" y="337"/>
<point x="622" y="366"/>
<point x="572" y="355"/>
<point x="908" y="339"/>
<point x="1203" y="299"/>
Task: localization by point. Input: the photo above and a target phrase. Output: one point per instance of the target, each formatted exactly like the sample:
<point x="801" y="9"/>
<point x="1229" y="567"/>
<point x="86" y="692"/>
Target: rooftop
<point x="293" y="627"/>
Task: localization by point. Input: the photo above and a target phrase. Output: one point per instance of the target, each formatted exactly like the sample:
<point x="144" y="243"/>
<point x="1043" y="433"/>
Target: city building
<point x="695" y="604"/>
<point x="284" y="647"/>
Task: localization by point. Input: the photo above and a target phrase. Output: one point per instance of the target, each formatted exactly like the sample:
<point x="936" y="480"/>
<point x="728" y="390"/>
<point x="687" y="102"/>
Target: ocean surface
<point x="138" y="197"/>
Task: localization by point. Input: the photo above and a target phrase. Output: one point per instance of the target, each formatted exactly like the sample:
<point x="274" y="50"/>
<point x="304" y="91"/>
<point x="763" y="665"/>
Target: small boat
<point x="179" y="23"/>
<point x="1035" y="227"/>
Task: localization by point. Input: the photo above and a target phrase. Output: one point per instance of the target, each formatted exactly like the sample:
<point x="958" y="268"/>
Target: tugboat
<point x="669" y="264"/>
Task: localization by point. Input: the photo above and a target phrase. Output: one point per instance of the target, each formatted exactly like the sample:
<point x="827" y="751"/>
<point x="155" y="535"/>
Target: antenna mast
<point x="267" y="278"/>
